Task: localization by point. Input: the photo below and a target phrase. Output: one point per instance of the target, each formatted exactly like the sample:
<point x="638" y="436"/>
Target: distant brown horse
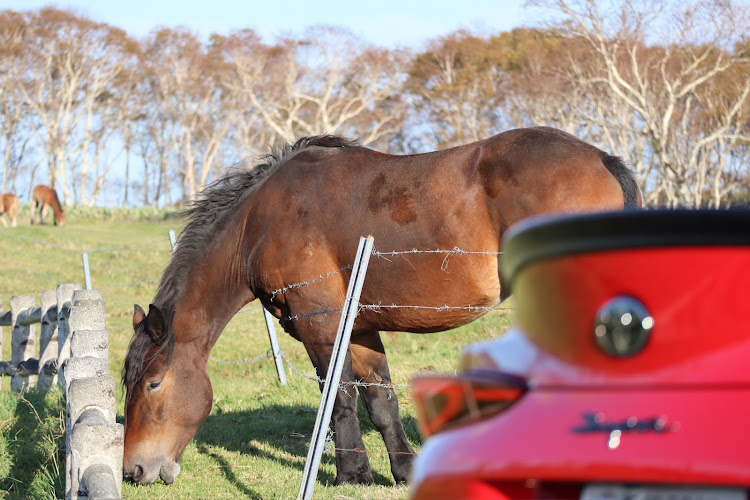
<point x="9" y="204"/>
<point x="298" y="216"/>
<point x="43" y="197"/>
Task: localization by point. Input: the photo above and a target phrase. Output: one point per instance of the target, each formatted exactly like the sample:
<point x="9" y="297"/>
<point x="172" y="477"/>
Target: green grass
<point x="32" y="444"/>
<point x="254" y="442"/>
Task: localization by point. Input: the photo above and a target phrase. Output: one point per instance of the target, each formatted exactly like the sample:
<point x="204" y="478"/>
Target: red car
<point x="626" y="374"/>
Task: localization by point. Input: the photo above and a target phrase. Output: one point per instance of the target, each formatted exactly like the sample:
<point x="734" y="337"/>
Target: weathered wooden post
<point x="4" y="321"/>
<point x="23" y="341"/>
<point x="94" y="440"/>
<point x="64" y="303"/>
<point x="48" y="349"/>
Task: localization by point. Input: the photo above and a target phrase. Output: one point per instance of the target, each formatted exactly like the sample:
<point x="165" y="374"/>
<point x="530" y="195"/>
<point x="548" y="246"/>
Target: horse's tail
<point x="630" y="190"/>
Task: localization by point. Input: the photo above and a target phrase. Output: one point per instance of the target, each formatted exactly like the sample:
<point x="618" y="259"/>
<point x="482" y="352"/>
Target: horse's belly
<point x="438" y="297"/>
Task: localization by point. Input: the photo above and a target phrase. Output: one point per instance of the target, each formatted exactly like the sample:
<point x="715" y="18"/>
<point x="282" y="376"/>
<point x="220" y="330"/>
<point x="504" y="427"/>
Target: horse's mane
<point x="209" y="212"/>
<point x="211" y="209"/>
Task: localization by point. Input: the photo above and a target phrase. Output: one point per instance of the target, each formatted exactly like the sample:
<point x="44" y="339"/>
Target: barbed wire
<point x="444" y="265"/>
<point x="470" y="308"/>
<point x="129" y="247"/>
<point x="125" y="285"/>
<point x="454" y="250"/>
<point x="342" y="385"/>
<point x="40" y="242"/>
<point x="96" y="250"/>
<point x="79" y="252"/>
<point x="360" y="450"/>
<point x="314" y="313"/>
<point x="331" y="448"/>
<point x="377" y="253"/>
<point x="268" y="354"/>
<point x="376" y="307"/>
<point x="29" y="270"/>
<point x="385" y="255"/>
<point x="250" y="309"/>
<point x="307" y="283"/>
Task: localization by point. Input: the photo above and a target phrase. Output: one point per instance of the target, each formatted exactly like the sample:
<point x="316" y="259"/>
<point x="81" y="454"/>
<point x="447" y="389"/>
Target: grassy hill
<point x="254" y="442"/>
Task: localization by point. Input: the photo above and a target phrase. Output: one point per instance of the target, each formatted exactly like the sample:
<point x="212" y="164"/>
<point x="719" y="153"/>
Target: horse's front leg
<point x="371" y="367"/>
<point x="352" y="463"/>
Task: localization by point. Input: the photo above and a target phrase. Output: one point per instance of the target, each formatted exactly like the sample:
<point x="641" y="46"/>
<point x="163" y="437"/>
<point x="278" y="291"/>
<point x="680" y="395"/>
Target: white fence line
<point x="94" y="440"/>
<point x="73" y="353"/>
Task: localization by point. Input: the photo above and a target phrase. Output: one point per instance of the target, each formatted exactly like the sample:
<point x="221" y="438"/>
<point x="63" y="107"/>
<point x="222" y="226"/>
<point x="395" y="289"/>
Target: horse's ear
<point x="138" y="315"/>
<point x="155" y="325"/>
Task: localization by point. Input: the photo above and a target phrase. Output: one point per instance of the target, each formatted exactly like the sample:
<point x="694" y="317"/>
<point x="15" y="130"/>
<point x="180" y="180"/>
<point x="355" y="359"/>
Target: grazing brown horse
<point x="298" y="216"/>
<point x="9" y="204"/>
<point x="43" y="197"/>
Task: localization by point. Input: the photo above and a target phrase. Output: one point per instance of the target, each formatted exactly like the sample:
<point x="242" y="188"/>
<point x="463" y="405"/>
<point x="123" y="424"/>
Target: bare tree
<point x="327" y="82"/>
<point x="458" y="87"/>
<point x="70" y="62"/>
<point x="189" y="95"/>
<point x="15" y="118"/>
<point x="674" y="67"/>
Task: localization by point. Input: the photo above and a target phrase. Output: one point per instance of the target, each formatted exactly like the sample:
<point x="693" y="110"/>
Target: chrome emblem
<point x="595" y="422"/>
<point x="622" y="326"/>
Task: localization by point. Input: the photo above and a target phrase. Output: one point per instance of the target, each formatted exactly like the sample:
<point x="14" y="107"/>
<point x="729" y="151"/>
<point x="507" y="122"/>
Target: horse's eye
<point x="154" y="385"/>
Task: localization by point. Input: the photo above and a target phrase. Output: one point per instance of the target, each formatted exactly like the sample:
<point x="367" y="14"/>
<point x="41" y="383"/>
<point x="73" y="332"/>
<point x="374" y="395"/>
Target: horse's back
<point x="343" y="193"/>
<point x="42" y="194"/>
<point x="45" y="195"/>
<point x="543" y="170"/>
<point x="306" y="217"/>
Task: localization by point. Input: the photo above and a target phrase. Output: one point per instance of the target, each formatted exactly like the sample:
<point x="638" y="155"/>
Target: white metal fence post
<point x="86" y="272"/>
<point x="172" y="240"/>
<point x="275" y="346"/>
<point x="336" y="365"/>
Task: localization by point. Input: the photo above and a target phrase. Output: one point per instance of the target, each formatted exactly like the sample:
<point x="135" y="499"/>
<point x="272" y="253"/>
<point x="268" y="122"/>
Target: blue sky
<point x="384" y="22"/>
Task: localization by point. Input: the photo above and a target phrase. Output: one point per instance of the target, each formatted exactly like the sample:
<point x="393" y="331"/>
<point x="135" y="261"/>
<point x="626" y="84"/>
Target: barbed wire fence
<point x="387" y="256"/>
<point x="84" y="255"/>
<point x="275" y="352"/>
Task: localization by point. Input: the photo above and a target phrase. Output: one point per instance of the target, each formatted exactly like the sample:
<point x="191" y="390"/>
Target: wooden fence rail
<point x="26" y="370"/>
<point x="73" y="353"/>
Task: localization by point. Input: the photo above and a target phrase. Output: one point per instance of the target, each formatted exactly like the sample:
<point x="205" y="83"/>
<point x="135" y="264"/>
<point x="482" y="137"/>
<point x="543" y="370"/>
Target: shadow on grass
<point x="38" y="447"/>
<point x="228" y="473"/>
<point x="285" y="429"/>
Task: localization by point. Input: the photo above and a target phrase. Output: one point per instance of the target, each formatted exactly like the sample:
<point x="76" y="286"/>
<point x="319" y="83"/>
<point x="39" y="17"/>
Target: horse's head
<point x="60" y="219"/>
<point x="168" y="396"/>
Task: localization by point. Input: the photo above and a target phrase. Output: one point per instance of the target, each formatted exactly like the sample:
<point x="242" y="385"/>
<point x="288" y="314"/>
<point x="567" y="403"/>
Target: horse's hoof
<point x="363" y="478"/>
<point x="401" y="469"/>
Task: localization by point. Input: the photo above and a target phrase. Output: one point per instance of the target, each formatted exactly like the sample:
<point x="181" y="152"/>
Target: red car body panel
<point x="534" y="440"/>
<point x="699" y="298"/>
<point x="680" y="405"/>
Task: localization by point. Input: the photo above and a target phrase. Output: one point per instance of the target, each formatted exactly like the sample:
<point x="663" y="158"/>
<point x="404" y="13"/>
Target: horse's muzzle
<point x="168" y="472"/>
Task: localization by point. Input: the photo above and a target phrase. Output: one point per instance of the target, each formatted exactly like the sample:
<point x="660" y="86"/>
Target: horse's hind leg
<point x="371" y="366"/>
<point x="352" y="463"/>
